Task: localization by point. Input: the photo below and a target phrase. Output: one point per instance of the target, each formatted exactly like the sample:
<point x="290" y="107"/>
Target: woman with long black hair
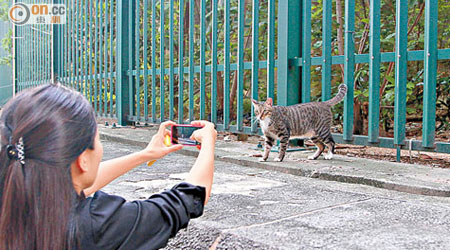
<point x="50" y="160"/>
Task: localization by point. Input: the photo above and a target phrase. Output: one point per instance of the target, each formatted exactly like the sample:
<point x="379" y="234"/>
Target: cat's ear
<point x="269" y="102"/>
<point x="254" y="102"/>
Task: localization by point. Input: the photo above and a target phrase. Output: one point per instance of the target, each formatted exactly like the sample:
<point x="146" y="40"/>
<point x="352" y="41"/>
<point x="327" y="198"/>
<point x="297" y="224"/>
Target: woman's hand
<point x="206" y="134"/>
<point x="156" y="149"/>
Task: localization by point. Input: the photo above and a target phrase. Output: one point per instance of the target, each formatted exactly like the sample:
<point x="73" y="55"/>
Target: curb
<point x="302" y="172"/>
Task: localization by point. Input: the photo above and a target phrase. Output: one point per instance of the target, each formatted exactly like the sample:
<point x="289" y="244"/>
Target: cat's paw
<point x="328" y="156"/>
<point x="312" y="157"/>
<point x="261" y="159"/>
<point x="277" y="159"/>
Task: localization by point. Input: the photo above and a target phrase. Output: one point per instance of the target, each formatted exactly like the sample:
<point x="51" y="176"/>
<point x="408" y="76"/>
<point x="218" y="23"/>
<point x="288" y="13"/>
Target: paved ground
<point x="261" y="208"/>
<point x="416" y="179"/>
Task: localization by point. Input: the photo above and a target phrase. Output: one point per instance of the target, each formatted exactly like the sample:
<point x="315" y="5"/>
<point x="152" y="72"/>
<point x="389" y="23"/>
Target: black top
<point x="109" y="222"/>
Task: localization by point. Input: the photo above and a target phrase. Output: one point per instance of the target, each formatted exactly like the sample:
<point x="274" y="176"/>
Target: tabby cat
<point x="306" y="120"/>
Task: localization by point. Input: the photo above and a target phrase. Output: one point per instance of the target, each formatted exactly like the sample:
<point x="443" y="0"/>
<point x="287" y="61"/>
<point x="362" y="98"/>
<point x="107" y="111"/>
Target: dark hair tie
<point x="16" y="152"/>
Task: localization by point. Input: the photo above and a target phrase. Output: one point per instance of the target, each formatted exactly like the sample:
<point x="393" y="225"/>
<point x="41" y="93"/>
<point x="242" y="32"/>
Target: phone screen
<point x="182" y="134"/>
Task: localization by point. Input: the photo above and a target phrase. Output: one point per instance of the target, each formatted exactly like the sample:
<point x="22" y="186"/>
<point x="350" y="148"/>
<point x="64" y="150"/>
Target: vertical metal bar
<point x="181" y="63"/>
<point x="191" y="59"/>
<point x="28" y="38"/>
<point x="91" y="48"/>
<point x="430" y="75"/>
<point x="50" y="51"/>
<point x="255" y="58"/>
<point x="31" y="51"/>
<point x="240" y="68"/>
<point x="374" y="72"/>
<point x="401" y="42"/>
<point x="131" y="63"/>
<point x="18" y="59"/>
<point x="171" y="94"/>
<point x="32" y="56"/>
<point x="66" y="46"/>
<point x="85" y="50"/>
<point x="162" y="55"/>
<point x="18" y="53"/>
<point x="51" y="58"/>
<point x="271" y="51"/>
<point x="81" y="43"/>
<point x="105" y="70"/>
<point x="60" y="49"/>
<point x="26" y="55"/>
<point x="38" y="54"/>
<point x="153" y="61"/>
<point x="122" y="100"/>
<point x="214" y="63"/>
<point x="20" y="50"/>
<point x="23" y="73"/>
<point x="73" y="46"/>
<point x="100" y="58"/>
<point x="42" y="32"/>
<point x="289" y="34"/>
<point x="96" y="66"/>
<point x="138" y="67"/>
<point x="77" y="50"/>
<point x="145" y="41"/>
<point x="306" y="52"/>
<point x="226" y="74"/>
<point x="46" y="66"/>
<point x="202" y="59"/>
<point x="326" y="49"/>
<point x="102" y="88"/>
<point x="349" y="67"/>
<point x="45" y="62"/>
<point x="43" y="47"/>
<point x="98" y="55"/>
<point x="111" y="39"/>
<point x="28" y="66"/>
<point x="36" y="57"/>
<point x="25" y="67"/>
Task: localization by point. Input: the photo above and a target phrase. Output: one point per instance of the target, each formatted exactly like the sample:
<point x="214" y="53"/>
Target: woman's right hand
<point x="206" y="134"/>
<point x="202" y="172"/>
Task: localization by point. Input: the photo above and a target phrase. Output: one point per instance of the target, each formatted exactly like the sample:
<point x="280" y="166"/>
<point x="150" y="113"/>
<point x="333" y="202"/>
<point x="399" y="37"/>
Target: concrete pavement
<point x="416" y="179"/>
<point x="260" y="208"/>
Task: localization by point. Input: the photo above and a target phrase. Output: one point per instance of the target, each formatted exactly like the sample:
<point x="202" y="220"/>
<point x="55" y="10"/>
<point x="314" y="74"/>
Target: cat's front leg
<point x="268" y="146"/>
<point x="284" y="140"/>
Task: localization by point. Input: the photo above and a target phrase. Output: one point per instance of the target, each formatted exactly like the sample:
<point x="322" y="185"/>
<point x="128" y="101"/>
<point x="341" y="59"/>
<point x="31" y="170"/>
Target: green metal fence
<point x="149" y="61"/>
<point x="33" y="54"/>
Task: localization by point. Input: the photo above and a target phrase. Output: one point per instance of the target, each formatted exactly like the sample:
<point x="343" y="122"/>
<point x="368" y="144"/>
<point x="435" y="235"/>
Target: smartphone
<point x="181" y="134"/>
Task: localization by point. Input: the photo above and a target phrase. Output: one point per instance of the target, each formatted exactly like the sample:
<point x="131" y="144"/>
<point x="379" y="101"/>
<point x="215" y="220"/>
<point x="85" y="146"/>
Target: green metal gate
<point x="153" y="60"/>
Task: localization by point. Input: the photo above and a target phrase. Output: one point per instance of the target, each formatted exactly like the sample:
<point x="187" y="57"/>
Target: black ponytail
<point x="56" y="125"/>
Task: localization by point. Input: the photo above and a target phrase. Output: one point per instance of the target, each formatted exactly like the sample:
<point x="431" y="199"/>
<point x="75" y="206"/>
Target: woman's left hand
<point x="156" y="149"/>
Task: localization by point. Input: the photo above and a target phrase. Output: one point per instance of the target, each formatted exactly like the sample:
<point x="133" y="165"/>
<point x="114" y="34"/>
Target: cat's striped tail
<point x="335" y="100"/>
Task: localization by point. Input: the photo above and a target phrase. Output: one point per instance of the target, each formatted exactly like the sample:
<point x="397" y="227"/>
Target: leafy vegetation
<point x="5" y="42"/>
